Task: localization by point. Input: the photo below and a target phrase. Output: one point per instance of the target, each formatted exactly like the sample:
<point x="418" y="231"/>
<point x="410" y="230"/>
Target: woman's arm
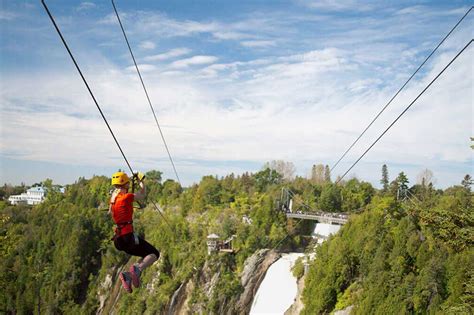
<point x="141" y="193"/>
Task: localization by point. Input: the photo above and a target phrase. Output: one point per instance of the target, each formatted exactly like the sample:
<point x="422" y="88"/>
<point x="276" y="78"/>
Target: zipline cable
<point x="85" y="82"/>
<point x="403" y="86"/>
<point x="146" y="92"/>
<point x="93" y="97"/>
<point x="407" y="108"/>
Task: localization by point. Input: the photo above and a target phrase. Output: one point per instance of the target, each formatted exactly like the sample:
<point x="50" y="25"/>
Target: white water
<point x="278" y="289"/>
<point x="323" y="230"/>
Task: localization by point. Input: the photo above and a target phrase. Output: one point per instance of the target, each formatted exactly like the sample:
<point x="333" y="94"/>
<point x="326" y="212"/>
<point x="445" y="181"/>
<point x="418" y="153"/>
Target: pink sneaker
<point x="126" y="281"/>
<point x="135" y="273"/>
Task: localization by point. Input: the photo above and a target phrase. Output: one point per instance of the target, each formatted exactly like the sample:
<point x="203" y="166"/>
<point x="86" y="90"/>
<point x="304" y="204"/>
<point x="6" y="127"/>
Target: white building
<point x="33" y="196"/>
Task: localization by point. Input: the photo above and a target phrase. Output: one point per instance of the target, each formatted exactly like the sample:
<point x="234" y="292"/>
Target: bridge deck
<point x="326" y="218"/>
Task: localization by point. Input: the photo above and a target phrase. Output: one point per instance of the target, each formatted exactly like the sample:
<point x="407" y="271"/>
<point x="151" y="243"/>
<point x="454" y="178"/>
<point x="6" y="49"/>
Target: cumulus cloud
<point x="173" y="53"/>
<point x="195" y="60"/>
<point x="258" y="43"/>
<point x="86" y="5"/>
<point x="305" y="103"/>
<point x="7" y="15"/>
<point x="339" y="5"/>
<point x="147" y="45"/>
<point x="143" y="67"/>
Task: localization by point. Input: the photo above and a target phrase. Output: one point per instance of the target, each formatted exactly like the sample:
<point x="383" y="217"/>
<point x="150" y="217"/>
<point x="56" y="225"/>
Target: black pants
<point x="128" y="244"/>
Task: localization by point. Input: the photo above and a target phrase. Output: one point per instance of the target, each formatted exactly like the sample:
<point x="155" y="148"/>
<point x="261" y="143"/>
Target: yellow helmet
<point x="120" y="178"/>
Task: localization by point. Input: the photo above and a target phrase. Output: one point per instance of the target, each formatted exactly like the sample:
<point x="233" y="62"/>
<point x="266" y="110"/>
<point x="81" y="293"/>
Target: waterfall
<point x="278" y="289"/>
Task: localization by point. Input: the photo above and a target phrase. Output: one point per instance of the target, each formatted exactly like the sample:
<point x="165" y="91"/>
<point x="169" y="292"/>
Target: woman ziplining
<point x="125" y="239"/>
<point x="121" y="202"/>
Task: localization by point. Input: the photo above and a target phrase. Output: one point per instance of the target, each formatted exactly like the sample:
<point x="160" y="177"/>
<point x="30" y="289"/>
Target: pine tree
<point x="327" y="174"/>
<point x="467" y="182"/>
<point x="384" y="181"/>
<point x="317" y="174"/>
<point x="402" y="181"/>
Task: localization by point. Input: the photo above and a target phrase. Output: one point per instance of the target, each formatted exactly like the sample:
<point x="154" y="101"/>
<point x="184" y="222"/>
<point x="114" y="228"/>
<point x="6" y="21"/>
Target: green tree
<point x="399" y="187"/>
<point x="330" y="199"/>
<point x="266" y="178"/>
<point x="171" y="191"/>
<point x="384" y="181"/>
<point x="467" y="182"/>
<point x="327" y="174"/>
<point x="154" y="176"/>
<point x="317" y="174"/>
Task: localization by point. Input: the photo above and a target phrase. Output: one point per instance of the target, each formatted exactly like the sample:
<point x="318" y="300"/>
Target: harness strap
<point x="121" y="225"/>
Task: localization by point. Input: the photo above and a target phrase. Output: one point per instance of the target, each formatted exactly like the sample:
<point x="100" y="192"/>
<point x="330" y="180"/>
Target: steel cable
<point x="146" y="92"/>
<point x="93" y="97"/>
<point x="407" y="108"/>
<point x="403" y="86"/>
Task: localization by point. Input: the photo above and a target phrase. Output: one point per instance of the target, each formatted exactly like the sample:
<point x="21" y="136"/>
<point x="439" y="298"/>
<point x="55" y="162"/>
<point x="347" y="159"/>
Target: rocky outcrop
<point x="109" y="291"/>
<point x="255" y="268"/>
<point x="254" y="271"/>
<point x="346" y="311"/>
<point x="177" y="300"/>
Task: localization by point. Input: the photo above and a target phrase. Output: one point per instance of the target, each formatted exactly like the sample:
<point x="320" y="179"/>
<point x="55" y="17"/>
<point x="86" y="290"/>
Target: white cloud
<point x="291" y="102"/>
<point x="163" y="26"/>
<point x="7" y="15"/>
<point x="195" y="60"/>
<point x="173" y="53"/>
<point x="258" y="43"/>
<point x="142" y="67"/>
<point x="339" y="5"/>
<point x="147" y="45"/>
<point x="304" y="103"/>
<point x="86" y="5"/>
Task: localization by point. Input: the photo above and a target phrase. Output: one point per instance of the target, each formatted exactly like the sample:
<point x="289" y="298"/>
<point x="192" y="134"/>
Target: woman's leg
<point x="147" y="261"/>
<point x="149" y="254"/>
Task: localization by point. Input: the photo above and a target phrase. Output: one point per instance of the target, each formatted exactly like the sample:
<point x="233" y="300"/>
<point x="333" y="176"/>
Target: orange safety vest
<point x="122" y="213"/>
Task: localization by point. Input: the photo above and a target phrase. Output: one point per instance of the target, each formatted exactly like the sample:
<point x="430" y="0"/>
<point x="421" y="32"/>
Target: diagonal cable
<point x="407" y="108"/>
<point x="87" y="85"/>
<point x="146" y="92"/>
<point x="403" y="86"/>
<point x="95" y="101"/>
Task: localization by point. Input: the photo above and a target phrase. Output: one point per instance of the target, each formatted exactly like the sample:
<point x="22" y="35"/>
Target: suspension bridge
<point x="286" y="202"/>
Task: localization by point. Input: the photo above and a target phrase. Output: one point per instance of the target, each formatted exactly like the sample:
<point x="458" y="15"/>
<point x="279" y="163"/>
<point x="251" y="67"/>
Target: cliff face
<point x="252" y="275"/>
<point x="183" y="300"/>
<point x="254" y="271"/>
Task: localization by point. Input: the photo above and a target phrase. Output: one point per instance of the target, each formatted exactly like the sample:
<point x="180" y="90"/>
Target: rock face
<point x="177" y="300"/>
<point x="254" y="271"/>
<point x="346" y="311"/>
<point x="109" y="291"/>
<point x="255" y="268"/>
<point x="252" y="275"/>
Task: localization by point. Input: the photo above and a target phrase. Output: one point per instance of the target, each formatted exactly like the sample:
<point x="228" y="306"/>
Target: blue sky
<point x="235" y="84"/>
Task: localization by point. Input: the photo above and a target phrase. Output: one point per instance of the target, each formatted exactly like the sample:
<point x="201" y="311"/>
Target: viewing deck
<point x="331" y="218"/>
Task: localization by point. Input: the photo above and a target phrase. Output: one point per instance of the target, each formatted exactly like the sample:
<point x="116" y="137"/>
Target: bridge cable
<point x="406" y="109"/>
<point x="296" y="225"/>
<point x="146" y="92"/>
<point x="93" y="97"/>
<point x="403" y="86"/>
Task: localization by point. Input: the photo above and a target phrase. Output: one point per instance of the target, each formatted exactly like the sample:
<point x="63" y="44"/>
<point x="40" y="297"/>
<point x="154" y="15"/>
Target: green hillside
<point x="412" y="256"/>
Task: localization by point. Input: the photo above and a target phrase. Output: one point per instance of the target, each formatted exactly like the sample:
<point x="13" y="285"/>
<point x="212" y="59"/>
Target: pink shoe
<point x="135" y="273"/>
<point x="126" y="281"/>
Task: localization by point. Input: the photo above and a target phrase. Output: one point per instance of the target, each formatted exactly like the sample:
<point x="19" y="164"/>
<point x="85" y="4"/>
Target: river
<point x="278" y="289"/>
